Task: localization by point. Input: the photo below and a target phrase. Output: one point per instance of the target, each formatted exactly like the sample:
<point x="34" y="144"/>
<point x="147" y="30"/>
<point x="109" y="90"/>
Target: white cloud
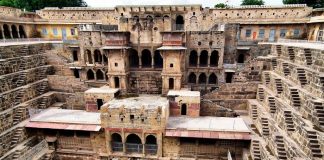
<point x="205" y="3"/>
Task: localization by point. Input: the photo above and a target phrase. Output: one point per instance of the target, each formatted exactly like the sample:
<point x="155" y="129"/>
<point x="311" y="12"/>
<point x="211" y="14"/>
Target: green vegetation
<point x="32" y="5"/>
<point x="221" y="5"/>
<point x="252" y="2"/>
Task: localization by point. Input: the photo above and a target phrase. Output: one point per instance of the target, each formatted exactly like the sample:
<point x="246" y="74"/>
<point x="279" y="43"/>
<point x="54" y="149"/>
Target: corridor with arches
<point x="12" y="31"/>
<point x="203" y="58"/>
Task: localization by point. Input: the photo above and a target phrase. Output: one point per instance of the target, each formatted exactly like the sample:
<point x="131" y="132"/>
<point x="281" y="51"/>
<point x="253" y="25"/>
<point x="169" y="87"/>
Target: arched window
<point x="241" y="58"/>
<point x="146" y="58"/>
<point x="89" y="57"/>
<point x="214" y="58"/>
<point x="229" y="77"/>
<point x="134" y="144"/>
<point x="116" y="142"/>
<point x="184" y="109"/>
<point x="90" y="75"/>
<point x="150" y="145"/>
<point x="14" y="31"/>
<point x="192" y="78"/>
<point x="133" y="58"/>
<point x="179" y="23"/>
<point x="116" y="80"/>
<point x="171" y="83"/>
<point x="158" y="60"/>
<point x="6" y="31"/>
<point x="202" y="78"/>
<point x="149" y="19"/>
<point x="97" y="56"/>
<point x="193" y="58"/>
<point x="212" y="79"/>
<point x="203" y="58"/>
<point x="1" y="36"/>
<point x="22" y="32"/>
<point x="100" y="75"/>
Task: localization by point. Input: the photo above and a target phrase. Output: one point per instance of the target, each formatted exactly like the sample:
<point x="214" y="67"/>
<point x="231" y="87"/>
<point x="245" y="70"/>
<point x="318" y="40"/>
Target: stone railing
<point x="30" y="154"/>
<point x="298" y="41"/>
<point x="27" y="40"/>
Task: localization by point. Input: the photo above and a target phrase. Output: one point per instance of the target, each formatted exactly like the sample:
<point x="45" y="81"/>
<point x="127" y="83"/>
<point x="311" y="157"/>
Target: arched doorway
<point x="214" y="59"/>
<point x="116" y="142"/>
<point x="229" y="77"/>
<point x="146" y="58"/>
<point x="133" y="58"/>
<point x="14" y="31"/>
<point x="212" y="79"/>
<point x="171" y="83"/>
<point x="89" y="57"/>
<point x="75" y="55"/>
<point x="100" y="75"/>
<point x="105" y="59"/>
<point x="158" y="60"/>
<point x="184" y="109"/>
<point x="22" y="32"/>
<point x="192" y="78"/>
<point x="193" y="58"/>
<point x="241" y="58"/>
<point x="150" y="145"/>
<point x="90" y="75"/>
<point x="179" y="23"/>
<point x="202" y="78"/>
<point x="116" y="80"/>
<point x="6" y="31"/>
<point x="134" y="144"/>
<point x="97" y="56"/>
<point x="203" y="58"/>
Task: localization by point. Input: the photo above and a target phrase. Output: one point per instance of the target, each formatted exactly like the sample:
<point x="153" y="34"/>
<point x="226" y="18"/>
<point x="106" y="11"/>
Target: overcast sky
<point x="205" y="3"/>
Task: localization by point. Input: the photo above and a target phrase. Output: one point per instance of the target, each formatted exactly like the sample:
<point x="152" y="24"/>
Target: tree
<point x="313" y="3"/>
<point x="221" y="5"/>
<point x="252" y="2"/>
<point x="32" y="5"/>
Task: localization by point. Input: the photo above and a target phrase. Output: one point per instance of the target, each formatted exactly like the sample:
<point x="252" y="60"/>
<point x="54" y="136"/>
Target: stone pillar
<point x="18" y="32"/>
<point x="10" y="32"/>
<point x="152" y="63"/>
<point x="208" y="60"/>
<point x="140" y="60"/>
<point x="2" y="32"/>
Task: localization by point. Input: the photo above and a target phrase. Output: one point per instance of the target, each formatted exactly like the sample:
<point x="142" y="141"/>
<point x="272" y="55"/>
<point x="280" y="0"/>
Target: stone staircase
<point x="43" y="103"/>
<point x="308" y="56"/>
<point x="272" y="104"/>
<point x="286" y="69"/>
<point x="289" y="121"/>
<point x="24" y="51"/>
<point x="278" y="49"/>
<point x="16" y="155"/>
<point x="278" y="85"/>
<point x="17" y="137"/>
<point x="294" y="97"/>
<point x="254" y="112"/>
<point x="19" y="96"/>
<point x="291" y="53"/>
<point x="21" y="79"/>
<point x="18" y="115"/>
<point x="314" y="145"/>
<point x="43" y="88"/>
<point x="260" y="94"/>
<point x="274" y="63"/>
<point x="267" y="77"/>
<point x="265" y="126"/>
<point x="302" y="76"/>
<point x="280" y="145"/>
<point x="255" y="150"/>
<point x="23" y="64"/>
<point x="319" y="111"/>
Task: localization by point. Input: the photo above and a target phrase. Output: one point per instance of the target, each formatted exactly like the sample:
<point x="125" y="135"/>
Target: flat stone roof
<point x="103" y="90"/>
<point x="147" y="101"/>
<point x="184" y="93"/>
<point x="172" y="48"/>
<point x="223" y="124"/>
<point x="53" y="115"/>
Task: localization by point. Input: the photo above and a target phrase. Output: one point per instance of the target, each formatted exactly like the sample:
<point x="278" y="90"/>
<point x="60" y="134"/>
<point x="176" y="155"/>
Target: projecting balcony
<point x="134" y="148"/>
<point x="178" y="27"/>
<point x="98" y="27"/>
<point x="151" y="149"/>
<point x="117" y="146"/>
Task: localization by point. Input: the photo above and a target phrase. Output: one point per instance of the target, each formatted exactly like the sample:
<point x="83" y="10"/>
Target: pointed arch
<point x="14" y="31"/>
<point x="212" y="79"/>
<point x="203" y="59"/>
<point x="6" y="31"/>
<point x="202" y="78"/>
<point x="192" y="78"/>
<point x="22" y="32"/>
<point x="133" y="58"/>
<point x="90" y="75"/>
<point x="97" y="56"/>
<point x="158" y="60"/>
<point x="193" y="58"/>
<point x="214" y="57"/>
<point x="146" y="58"/>
<point x="100" y="75"/>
